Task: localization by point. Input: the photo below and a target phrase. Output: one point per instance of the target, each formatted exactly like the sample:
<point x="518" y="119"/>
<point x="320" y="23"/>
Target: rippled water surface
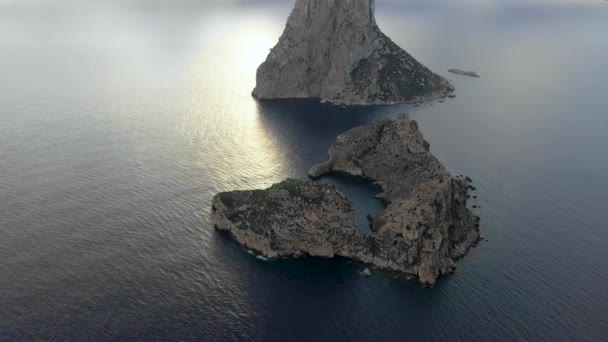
<point x="119" y="120"/>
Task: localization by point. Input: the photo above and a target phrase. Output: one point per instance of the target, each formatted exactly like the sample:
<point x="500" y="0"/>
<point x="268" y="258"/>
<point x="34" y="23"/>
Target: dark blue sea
<point x="120" y="119"/>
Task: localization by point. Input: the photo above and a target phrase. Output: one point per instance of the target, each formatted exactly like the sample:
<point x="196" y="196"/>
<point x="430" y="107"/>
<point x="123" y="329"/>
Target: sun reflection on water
<point x="225" y="67"/>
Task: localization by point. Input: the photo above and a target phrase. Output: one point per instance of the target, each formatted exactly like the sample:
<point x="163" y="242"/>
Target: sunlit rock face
<point x="425" y="227"/>
<point x="333" y="50"/>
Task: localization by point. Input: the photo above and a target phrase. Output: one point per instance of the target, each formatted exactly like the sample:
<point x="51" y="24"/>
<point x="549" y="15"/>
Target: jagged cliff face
<point x="333" y="50"/>
<point x="288" y="219"/>
<point x="425" y="227"/>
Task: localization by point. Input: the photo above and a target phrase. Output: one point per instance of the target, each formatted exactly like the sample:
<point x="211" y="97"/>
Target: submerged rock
<point x="424" y="228"/>
<point x="464" y="73"/>
<point x="334" y="51"/>
<point x="366" y="273"/>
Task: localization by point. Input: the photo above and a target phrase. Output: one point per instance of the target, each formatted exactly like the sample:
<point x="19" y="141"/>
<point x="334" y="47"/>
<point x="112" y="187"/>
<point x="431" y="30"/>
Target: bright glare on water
<point x="119" y="120"/>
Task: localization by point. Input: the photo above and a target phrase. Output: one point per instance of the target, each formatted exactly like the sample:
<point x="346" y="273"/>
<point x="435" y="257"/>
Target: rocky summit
<point x="334" y="50"/>
<point x="425" y="227"/>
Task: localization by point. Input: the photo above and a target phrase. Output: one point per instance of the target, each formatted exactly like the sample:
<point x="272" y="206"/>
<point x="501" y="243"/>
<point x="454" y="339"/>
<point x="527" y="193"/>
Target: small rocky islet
<point x="463" y="72"/>
<point x="424" y="228"/>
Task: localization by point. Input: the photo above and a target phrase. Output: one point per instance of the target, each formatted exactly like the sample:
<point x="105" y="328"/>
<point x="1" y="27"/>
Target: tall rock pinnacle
<point x="333" y="50"/>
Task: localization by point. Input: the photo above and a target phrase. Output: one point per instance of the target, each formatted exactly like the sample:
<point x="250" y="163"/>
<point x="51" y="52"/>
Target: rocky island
<point x="425" y="227"/>
<point x="335" y="51"/>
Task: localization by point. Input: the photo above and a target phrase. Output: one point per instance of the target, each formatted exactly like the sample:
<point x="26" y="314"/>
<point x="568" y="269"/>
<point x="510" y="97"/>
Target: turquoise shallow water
<point x="119" y="120"/>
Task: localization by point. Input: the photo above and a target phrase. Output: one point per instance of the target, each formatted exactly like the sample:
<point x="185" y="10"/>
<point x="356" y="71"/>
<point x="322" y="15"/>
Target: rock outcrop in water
<point x="424" y="228"/>
<point x="333" y="50"/>
<point x="463" y="73"/>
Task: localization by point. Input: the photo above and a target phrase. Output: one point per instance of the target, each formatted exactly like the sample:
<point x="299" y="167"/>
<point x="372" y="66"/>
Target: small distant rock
<point x="366" y="273"/>
<point x="451" y="96"/>
<point x="464" y="73"/>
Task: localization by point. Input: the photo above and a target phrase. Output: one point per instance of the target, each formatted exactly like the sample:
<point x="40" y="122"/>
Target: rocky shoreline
<point x="334" y="51"/>
<point x="425" y="227"/>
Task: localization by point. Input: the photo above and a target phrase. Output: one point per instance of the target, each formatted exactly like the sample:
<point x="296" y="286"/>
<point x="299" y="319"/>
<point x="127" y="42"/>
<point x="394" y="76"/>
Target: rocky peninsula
<point x="335" y="51"/>
<point x="425" y="227"/>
